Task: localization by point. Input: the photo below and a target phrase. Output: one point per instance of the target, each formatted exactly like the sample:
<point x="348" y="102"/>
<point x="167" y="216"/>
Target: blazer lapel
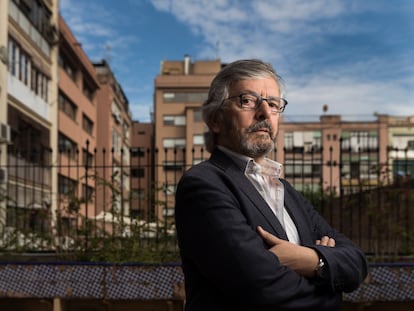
<point x="235" y="174"/>
<point x="299" y="219"/>
<point x="258" y="201"/>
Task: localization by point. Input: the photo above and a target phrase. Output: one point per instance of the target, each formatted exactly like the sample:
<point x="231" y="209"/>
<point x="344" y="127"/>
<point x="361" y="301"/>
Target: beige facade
<point x="28" y="106"/>
<point x="180" y="89"/>
<point x="54" y="152"/>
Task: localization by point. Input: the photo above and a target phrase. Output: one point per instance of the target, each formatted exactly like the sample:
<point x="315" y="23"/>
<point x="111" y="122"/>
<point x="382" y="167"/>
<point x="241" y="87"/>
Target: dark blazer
<point x="226" y="264"/>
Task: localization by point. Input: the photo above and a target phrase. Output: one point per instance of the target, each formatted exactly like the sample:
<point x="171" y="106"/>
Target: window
<point x="174" y="120"/>
<point x="170" y="189"/>
<point x="198" y="116"/>
<point x="116" y="113"/>
<point x="116" y="141"/>
<point x="12" y="56"/>
<point x="359" y="141"/>
<point x="24" y="67"/>
<point x="87" y="158"/>
<point x="67" y="145"/>
<point x="307" y="141"/>
<point x="403" y="168"/>
<point x="138" y="193"/>
<point x="138" y="152"/>
<point x="67" y="106"/>
<point x="198" y="139"/>
<point x="87" y="124"/>
<point x="173" y="166"/>
<point x="39" y="83"/>
<point x="67" y="67"/>
<point x="87" y="192"/>
<point x="168" y="212"/>
<point x="125" y="130"/>
<point x="37" y="13"/>
<point x="402" y="141"/>
<point x="21" y="66"/>
<point x="288" y="141"/>
<point x="67" y="185"/>
<point x="185" y="97"/>
<point x="302" y="169"/>
<point x="355" y="170"/>
<point x="88" y="90"/>
<point x="173" y="142"/>
<point x="138" y="172"/>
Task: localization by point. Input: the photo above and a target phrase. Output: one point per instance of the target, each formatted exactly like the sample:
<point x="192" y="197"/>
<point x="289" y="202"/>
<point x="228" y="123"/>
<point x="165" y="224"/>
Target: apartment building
<point x="335" y="154"/>
<point x="330" y="154"/>
<point x="142" y="171"/>
<point x="113" y="143"/>
<point x="77" y="129"/>
<point x="180" y="89"/>
<point x="55" y="156"/>
<point x="28" y="110"/>
<point x="401" y="145"/>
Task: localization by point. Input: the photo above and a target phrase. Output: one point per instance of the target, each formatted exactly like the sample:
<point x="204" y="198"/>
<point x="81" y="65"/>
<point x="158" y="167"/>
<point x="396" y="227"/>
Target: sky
<point x="355" y="56"/>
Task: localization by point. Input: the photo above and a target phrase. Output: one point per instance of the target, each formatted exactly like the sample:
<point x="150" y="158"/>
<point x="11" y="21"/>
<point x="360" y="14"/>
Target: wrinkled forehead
<point x="267" y="86"/>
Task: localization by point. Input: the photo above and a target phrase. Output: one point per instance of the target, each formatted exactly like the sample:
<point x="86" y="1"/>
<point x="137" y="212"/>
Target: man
<point x="248" y="240"/>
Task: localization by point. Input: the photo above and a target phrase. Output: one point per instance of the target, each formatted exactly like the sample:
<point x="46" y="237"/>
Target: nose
<point x="263" y="111"/>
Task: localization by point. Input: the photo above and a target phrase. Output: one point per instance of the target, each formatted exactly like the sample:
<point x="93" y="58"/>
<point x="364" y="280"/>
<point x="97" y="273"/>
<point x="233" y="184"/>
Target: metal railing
<point x="106" y="208"/>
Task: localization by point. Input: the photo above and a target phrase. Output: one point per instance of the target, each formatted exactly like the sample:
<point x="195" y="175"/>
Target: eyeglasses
<point x="250" y="101"/>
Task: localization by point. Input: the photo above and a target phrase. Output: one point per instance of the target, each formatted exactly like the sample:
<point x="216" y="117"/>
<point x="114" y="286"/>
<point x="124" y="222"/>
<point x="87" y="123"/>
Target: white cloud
<point x="297" y="36"/>
<point x="346" y="95"/>
<point x="287" y="32"/>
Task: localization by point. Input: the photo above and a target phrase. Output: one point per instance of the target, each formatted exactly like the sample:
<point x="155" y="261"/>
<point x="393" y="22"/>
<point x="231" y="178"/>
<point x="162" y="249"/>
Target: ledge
<point x="386" y="282"/>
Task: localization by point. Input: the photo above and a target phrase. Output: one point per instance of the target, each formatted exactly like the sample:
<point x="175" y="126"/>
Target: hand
<point x="326" y="241"/>
<point x="301" y="259"/>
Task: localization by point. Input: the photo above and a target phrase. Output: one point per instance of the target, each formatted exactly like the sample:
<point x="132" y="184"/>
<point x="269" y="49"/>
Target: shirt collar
<point x="248" y="165"/>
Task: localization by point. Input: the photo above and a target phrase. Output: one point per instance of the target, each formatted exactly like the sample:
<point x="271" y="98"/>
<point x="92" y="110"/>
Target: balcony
<point x="22" y="93"/>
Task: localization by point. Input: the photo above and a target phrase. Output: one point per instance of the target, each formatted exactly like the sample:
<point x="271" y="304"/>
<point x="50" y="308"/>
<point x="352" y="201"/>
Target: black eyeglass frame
<point x="259" y="101"/>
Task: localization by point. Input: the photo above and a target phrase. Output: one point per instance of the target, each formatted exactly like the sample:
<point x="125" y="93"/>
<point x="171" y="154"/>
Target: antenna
<point x="107" y="56"/>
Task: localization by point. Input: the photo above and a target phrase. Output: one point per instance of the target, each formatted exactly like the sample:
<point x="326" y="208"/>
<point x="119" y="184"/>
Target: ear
<point x="215" y="128"/>
<point x="216" y="124"/>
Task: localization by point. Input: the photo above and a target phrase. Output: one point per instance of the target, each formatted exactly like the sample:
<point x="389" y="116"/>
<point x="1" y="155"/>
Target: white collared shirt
<point x="265" y="178"/>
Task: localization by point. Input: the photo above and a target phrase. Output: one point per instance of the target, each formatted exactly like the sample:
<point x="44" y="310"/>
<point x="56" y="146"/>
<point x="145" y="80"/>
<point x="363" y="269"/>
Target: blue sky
<point x="356" y="56"/>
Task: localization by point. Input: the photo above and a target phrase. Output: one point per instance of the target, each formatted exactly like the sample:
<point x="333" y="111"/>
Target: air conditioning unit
<point x="4" y="133"/>
<point x="3" y="176"/>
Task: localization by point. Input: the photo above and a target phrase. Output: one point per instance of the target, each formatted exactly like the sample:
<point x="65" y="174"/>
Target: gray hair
<point x="219" y="90"/>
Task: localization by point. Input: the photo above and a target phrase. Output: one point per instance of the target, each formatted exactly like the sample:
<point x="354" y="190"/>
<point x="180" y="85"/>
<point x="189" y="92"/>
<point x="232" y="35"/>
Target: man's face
<point x="249" y="132"/>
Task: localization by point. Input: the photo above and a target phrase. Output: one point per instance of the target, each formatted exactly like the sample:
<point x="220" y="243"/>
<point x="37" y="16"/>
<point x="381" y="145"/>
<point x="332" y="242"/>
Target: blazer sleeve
<point x="220" y="247"/>
<point x="346" y="262"/>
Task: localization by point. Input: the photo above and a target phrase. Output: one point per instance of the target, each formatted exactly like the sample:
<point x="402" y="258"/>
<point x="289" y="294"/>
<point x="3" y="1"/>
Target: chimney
<point x="186" y="64"/>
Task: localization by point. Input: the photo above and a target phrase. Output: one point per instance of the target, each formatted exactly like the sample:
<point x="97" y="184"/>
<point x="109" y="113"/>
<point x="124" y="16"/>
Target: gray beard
<point x="259" y="147"/>
<point x="240" y="143"/>
<point x="255" y="149"/>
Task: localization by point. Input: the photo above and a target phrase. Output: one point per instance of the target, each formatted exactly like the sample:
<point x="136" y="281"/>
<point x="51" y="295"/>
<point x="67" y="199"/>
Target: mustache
<point x="262" y="124"/>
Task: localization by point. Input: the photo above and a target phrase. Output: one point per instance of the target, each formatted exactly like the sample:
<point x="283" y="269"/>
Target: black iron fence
<point x="118" y="206"/>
